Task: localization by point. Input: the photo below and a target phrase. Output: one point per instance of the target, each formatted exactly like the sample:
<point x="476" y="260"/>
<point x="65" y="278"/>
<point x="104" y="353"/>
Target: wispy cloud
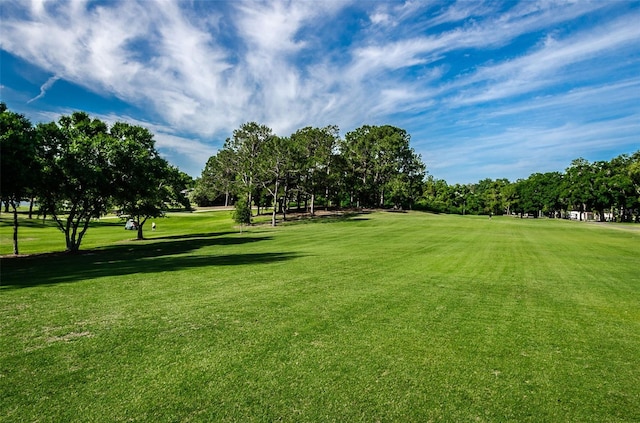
<point x="473" y="72"/>
<point x="545" y="66"/>
<point x="45" y="87"/>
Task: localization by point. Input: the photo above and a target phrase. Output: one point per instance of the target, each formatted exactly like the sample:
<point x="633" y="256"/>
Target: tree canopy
<point x="375" y="166"/>
<point x="19" y="167"/>
<point x="79" y="169"/>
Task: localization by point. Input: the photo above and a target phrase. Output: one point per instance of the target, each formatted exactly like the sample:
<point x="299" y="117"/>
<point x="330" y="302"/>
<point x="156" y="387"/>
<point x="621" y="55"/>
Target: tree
<point x="19" y="169"/>
<point x="405" y="186"/>
<point x="375" y="155"/>
<point x="358" y="150"/>
<point x="578" y="185"/>
<point x="218" y="178"/>
<point x="434" y="195"/>
<point x="142" y="179"/>
<point x="242" y="213"/>
<point x="245" y="146"/>
<point x="632" y="198"/>
<point x="618" y="178"/>
<point x="77" y="178"/>
<point x="317" y="147"/>
<point x="540" y="194"/>
<point x="179" y="184"/>
<point x="277" y="160"/>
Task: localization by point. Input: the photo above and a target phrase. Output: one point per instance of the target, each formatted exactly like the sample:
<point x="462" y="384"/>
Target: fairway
<point x="371" y="317"/>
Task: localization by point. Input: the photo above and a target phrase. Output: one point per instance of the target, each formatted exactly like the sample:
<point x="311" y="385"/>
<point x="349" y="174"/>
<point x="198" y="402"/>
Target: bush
<point x="242" y="212"/>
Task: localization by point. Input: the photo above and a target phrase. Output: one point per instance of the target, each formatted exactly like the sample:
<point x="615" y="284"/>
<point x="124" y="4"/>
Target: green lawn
<point x="375" y="317"/>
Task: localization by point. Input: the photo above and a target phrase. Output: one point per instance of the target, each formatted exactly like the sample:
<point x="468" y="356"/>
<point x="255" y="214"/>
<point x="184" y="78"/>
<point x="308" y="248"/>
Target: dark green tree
<point x="376" y="155"/>
<point x="540" y="194"/>
<point x="218" y="178"/>
<point x="578" y="186"/>
<point x="19" y="167"/>
<point x="77" y="176"/>
<point x="142" y="179"/>
<point x="632" y="196"/>
<point x="242" y="213"/>
<point x="317" y="147"/>
<point x="245" y="146"/>
<point x="277" y="160"/>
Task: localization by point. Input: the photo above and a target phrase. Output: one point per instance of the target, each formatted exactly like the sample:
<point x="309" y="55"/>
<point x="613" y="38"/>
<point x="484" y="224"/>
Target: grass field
<point x="375" y="317"/>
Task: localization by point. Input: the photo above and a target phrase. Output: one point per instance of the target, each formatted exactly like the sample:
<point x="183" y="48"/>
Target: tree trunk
<point x="313" y="204"/>
<point x="326" y="198"/>
<point x="273" y="213"/>
<point x="15" y="229"/>
<point x="249" y="200"/>
<point x="275" y="200"/>
<point x="31" y="207"/>
<point x="284" y="208"/>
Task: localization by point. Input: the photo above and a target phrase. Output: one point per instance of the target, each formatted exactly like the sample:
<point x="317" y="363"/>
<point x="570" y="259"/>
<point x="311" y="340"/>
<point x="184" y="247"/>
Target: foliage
<point x="78" y="169"/>
<point x="19" y="167"/>
<point x="275" y="165"/>
<point x="142" y="179"/>
<point x="76" y="184"/>
<point x="218" y="179"/>
<point x="245" y="146"/>
<point x="373" y="167"/>
<point x="607" y="188"/>
<point x="242" y="213"/>
<point x="375" y="156"/>
<point x="317" y="148"/>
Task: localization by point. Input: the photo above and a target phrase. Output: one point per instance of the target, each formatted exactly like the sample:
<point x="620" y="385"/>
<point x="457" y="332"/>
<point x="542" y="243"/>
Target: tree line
<point x="79" y="168"/>
<point x="608" y="189"/>
<point x="374" y="166"/>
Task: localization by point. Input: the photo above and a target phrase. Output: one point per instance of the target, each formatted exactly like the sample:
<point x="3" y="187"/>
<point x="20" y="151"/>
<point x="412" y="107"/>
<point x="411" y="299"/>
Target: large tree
<point x="245" y="146"/>
<point x="141" y="178"/>
<point x="19" y="168"/>
<point x="540" y="194"/>
<point x="632" y="197"/>
<point x="317" y="147"/>
<point x="577" y="186"/>
<point x="218" y="178"/>
<point x="375" y="156"/>
<point x="77" y="176"/>
<point x="405" y="185"/>
<point x="277" y="160"/>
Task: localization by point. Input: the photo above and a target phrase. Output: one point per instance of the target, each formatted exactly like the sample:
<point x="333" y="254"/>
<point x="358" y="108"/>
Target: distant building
<point x="578" y="215"/>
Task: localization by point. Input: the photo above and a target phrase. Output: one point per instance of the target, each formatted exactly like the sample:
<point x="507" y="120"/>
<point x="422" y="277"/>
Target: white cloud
<point x="203" y="74"/>
<point x="526" y="147"/>
<point x="378" y="18"/>
<point x="545" y="66"/>
<point x="44" y="88"/>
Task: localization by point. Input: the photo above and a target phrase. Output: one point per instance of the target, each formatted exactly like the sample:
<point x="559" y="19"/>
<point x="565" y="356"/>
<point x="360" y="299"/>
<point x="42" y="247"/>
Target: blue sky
<point x="486" y="89"/>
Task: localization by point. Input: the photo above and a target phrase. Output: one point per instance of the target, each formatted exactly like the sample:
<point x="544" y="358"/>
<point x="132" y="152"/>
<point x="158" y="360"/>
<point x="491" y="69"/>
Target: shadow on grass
<point x="296" y="218"/>
<point x="191" y="236"/>
<point x="27" y="223"/>
<point x="37" y="222"/>
<point x="150" y="256"/>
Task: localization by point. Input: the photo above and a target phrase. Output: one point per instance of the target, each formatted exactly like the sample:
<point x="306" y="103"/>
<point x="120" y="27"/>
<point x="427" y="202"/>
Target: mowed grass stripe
<point x="405" y="317"/>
